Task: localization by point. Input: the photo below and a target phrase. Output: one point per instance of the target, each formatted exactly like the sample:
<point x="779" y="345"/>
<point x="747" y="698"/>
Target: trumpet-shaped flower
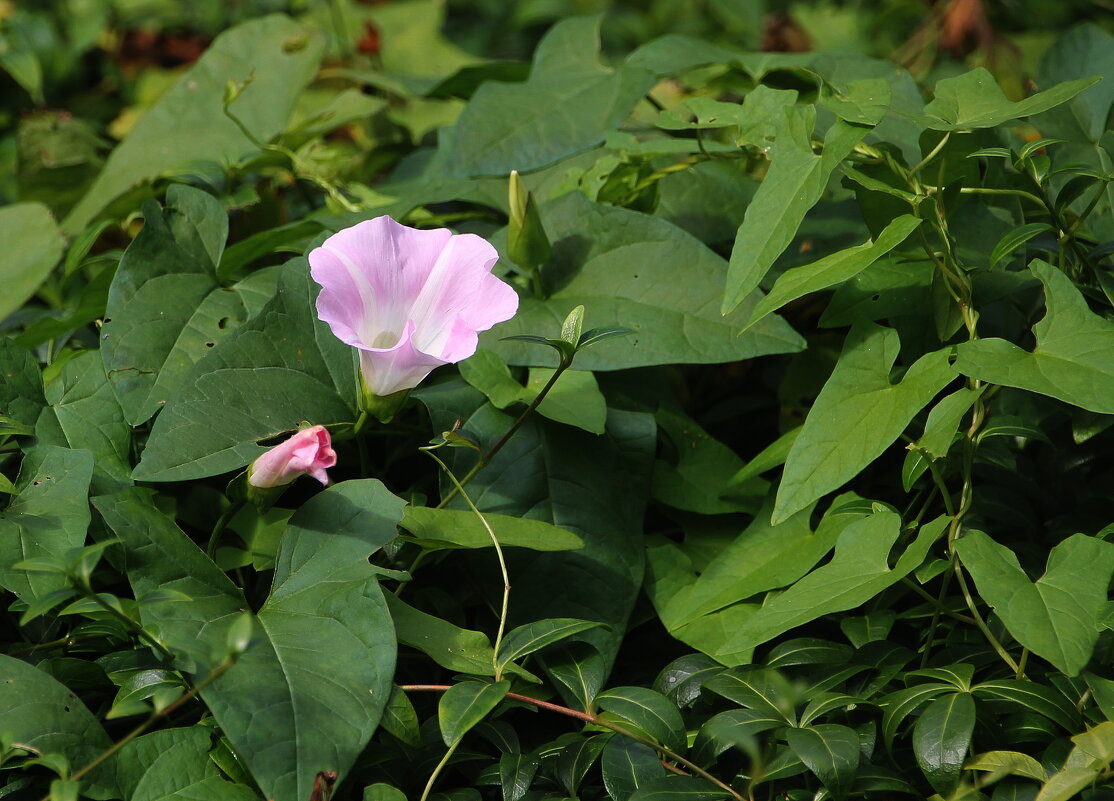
<point x="308" y="452"/>
<point x="409" y="300"/>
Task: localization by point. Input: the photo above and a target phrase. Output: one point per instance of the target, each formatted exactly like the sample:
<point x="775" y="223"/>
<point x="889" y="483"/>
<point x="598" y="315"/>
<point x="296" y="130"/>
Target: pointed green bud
<point x="527" y="243"/>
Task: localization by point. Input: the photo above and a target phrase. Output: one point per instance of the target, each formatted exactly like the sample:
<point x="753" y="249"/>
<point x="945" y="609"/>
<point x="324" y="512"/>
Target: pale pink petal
<point x="390" y="370"/>
<point x="408" y="299"/>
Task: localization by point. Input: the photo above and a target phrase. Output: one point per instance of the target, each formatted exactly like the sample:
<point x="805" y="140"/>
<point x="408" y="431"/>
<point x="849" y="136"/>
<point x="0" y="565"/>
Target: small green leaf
<point x="679" y="788"/>
<point x="516" y="774"/>
<point x="763" y="690"/>
<point x="626" y="765"/>
<point x="794" y="184"/>
<point x="383" y="792"/>
<point x="830" y="751"/>
<point x="1015" y="239"/>
<point x="942" y="737"/>
<point x="944" y="419"/>
<point x="899" y="705"/>
<point x="537" y="635"/>
<point x="465" y="704"/>
<point x="451" y="647"/>
<point x="650" y="711"/>
<point x="833" y="269"/>
<point x="400" y="718"/>
<point x="1012" y="763"/>
<point x="444" y="528"/>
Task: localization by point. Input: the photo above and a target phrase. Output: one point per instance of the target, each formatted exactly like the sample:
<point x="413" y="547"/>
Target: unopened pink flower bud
<point x="308" y="452"/>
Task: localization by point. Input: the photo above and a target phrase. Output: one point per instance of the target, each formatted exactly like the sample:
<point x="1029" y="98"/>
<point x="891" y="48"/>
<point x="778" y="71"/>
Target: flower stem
<point x="437" y="770"/>
<point x="126" y="621"/>
<point x="502" y="563"/>
<point x="485" y="459"/>
<point x="220" y="525"/>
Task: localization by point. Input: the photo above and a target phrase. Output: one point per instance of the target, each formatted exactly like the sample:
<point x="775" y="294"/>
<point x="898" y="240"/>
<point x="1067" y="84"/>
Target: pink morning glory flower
<point x="308" y="452"/>
<point x="409" y="300"/>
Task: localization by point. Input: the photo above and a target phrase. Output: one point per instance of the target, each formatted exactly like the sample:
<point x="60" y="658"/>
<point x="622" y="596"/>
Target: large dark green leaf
<point x="174" y="765"/>
<point x="857" y="415"/>
<point x="321" y="704"/>
<point x="942" y="738"/>
<point x="465" y="704"/>
<point x="159" y="556"/>
<point x="188" y="124"/>
<point x="21" y="391"/>
<point x="47" y="519"/>
<point x="166" y="308"/>
<point x="625" y="275"/>
<point x="308" y="693"/>
<point x="85" y="414"/>
<point x="1057" y="616"/>
<point x="274" y="372"/>
<point x="38" y="711"/>
<point x="566" y="105"/>
<point x="33" y="245"/>
<point x="1074" y="356"/>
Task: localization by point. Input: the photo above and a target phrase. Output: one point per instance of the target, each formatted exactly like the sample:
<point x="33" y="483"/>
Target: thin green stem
<point x="220" y="525"/>
<point x="498" y="552"/>
<point x="485" y="459"/>
<point x="986" y="190"/>
<point x="1087" y="211"/>
<point x="154" y="717"/>
<point x="935" y="602"/>
<point x="595" y="721"/>
<point x="931" y="154"/>
<point x="994" y="643"/>
<point x="344" y="43"/>
<point x="1020" y="674"/>
<point x="437" y="770"/>
<point x="127" y="622"/>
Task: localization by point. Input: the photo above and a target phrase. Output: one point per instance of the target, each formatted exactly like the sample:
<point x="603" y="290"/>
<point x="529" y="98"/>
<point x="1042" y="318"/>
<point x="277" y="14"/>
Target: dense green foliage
<point x="796" y="456"/>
